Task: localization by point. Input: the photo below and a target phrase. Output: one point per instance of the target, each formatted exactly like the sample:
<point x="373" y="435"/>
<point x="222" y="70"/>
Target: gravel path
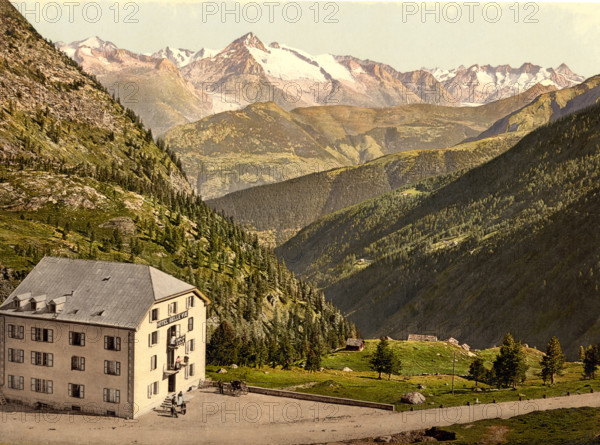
<point x="256" y="419"/>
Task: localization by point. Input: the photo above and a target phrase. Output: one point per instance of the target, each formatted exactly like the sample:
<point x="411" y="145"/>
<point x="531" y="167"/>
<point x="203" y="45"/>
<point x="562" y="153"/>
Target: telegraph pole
<point x="453" y="368"/>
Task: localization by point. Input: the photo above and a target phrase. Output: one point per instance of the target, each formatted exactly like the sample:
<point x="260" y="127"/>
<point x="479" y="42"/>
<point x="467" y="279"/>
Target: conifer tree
<point x="553" y="361"/>
<point x="509" y="366"/>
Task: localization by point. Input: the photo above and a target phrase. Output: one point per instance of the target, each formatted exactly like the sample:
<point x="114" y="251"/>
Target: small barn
<point x="355" y="344"/>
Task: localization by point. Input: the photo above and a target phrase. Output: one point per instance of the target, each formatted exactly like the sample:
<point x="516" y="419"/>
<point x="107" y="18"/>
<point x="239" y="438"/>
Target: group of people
<point x="177" y="401"/>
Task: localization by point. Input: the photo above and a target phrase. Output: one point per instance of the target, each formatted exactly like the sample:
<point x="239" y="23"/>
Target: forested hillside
<point x="81" y="177"/>
<point x="278" y="211"/>
<point x="511" y="243"/>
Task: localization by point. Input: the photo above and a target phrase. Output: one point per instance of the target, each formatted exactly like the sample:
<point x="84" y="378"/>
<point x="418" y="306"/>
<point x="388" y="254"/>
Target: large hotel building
<point x="101" y="337"/>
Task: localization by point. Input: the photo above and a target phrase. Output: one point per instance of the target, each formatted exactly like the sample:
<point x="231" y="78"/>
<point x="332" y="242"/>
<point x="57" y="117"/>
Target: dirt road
<point x="255" y="419"/>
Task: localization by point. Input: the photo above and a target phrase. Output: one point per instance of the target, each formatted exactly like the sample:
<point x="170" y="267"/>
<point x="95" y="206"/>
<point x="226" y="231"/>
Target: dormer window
<point x="37" y="303"/>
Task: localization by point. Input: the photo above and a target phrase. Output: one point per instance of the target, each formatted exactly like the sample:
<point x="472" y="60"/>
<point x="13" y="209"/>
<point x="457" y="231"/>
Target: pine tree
<point x="591" y="362"/>
<point x="553" y="361"/>
<point x="223" y="346"/>
<point x="477" y="371"/>
<point x="509" y="366"/>
<point x="385" y="360"/>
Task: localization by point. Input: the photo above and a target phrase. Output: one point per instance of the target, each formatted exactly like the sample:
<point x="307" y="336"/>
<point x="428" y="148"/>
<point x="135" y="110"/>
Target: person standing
<point x="180" y="398"/>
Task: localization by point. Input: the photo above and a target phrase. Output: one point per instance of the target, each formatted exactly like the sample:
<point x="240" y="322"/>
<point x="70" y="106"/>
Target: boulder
<point x="465" y="346"/>
<point x="234" y="366"/>
<point x="346" y="369"/>
<point x="413" y="398"/>
<point x="222" y="371"/>
<point x="383" y="439"/>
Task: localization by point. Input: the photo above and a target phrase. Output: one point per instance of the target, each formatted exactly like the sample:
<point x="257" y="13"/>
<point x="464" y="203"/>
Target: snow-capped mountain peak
<point x="179" y="56"/>
<point x="91" y="43"/>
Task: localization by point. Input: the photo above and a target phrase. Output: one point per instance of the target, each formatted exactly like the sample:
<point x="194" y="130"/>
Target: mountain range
<point x="175" y="86"/>
<point x="277" y="211"/>
<point x="263" y="143"/>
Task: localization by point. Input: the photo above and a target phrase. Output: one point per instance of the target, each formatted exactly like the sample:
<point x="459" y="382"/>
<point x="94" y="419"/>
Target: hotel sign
<point x="171" y="319"/>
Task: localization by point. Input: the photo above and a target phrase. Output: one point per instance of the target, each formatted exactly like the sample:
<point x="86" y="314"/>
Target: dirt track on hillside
<point x="255" y="419"/>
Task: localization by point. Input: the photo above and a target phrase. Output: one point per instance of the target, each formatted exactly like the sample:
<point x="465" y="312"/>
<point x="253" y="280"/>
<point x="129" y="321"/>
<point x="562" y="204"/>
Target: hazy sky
<point x="405" y="35"/>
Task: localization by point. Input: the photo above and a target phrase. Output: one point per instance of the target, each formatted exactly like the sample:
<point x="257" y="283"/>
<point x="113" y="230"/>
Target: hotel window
<point x="77" y="363"/>
<point x="190" y="324"/>
<point x="190" y="346"/>
<point x="112" y="395"/>
<point x="41" y="385"/>
<point x="15" y="331"/>
<point x="16" y="355"/>
<point x="153" y="362"/>
<point x="173" y="308"/>
<point x="154" y="315"/>
<point x="190" y="301"/>
<point x="77" y="338"/>
<point x="112" y="367"/>
<point x="152" y="389"/>
<point x="40" y="334"/>
<point x="16" y="382"/>
<point x="76" y="390"/>
<point x="153" y="338"/>
<point x="42" y="358"/>
<point x="112" y="343"/>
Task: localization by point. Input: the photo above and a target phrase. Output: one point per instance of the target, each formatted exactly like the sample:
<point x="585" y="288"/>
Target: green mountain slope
<point x="80" y="177"/>
<point x="508" y="246"/>
<point x="278" y="211"/>
<point x="547" y="107"/>
<point x="265" y="144"/>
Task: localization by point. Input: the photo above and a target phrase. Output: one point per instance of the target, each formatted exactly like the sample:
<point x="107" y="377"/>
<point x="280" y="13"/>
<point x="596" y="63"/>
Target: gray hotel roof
<point x="122" y="292"/>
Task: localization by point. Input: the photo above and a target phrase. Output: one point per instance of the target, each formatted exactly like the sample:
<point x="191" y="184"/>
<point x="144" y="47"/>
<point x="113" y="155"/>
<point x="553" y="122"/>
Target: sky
<point x="405" y="35"/>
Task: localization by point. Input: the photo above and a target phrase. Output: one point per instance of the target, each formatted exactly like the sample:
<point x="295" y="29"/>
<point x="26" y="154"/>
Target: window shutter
<point x="33" y="361"/>
<point x="105" y="397"/>
<point x="82" y="363"/>
<point x="50" y="359"/>
<point x="33" y="384"/>
<point x="70" y="390"/>
<point x="150" y="339"/>
<point x="21" y="382"/>
<point x="118" y="368"/>
<point x="82" y="339"/>
<point x="117" y="396"/>
<point x="118" y="343"/>
<point x="21" y="332"/>
<point x="32" y="334"/>
<point x="49" y="386"/>
<point x="70" y="338"/>
<point x="105" y="342"/>
<point x="105" y="366"/>
<point x="81" y="391"/>
<point x="149" y="391"/>
<point x="50" y="336"/>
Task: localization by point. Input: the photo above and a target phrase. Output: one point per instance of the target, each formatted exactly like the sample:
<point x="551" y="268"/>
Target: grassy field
<point x="427" y="368"/>
<point x="563" y="426"/>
